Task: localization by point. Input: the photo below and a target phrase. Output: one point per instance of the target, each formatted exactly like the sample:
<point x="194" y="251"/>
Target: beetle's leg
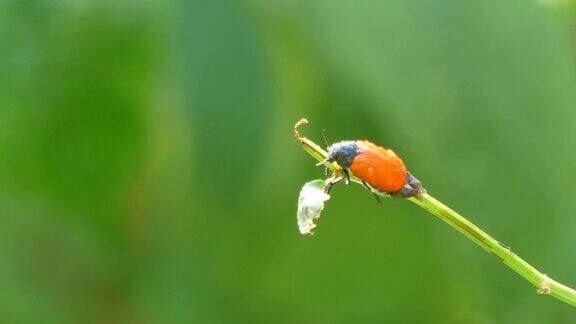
<point x="334" y="179"/>
<point x="346" y="176"/>
<point x="373" y="192"/>
<point x="329" y="187"/>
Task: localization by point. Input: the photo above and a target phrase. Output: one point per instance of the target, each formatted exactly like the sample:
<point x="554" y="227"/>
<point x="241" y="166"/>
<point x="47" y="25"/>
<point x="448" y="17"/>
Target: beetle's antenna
<point x="324" y="136"/>
<point x="326" y="143"/>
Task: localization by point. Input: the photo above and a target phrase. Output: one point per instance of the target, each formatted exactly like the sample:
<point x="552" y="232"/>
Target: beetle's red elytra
<point x="379" y="167"/>
<point x="376" y="166"/>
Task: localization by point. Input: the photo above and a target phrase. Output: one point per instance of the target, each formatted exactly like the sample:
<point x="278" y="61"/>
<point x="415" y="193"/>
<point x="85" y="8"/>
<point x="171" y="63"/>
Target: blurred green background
<point x="148" y="171"/>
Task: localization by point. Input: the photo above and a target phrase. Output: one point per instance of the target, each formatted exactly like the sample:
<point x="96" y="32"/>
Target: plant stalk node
<point x="544" y="287"/>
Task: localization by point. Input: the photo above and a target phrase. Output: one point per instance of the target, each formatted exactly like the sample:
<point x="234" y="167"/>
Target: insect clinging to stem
<point x="380" y="169"/>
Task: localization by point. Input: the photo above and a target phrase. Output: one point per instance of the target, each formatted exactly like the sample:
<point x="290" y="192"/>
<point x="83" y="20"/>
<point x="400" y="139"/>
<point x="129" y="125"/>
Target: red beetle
<point x="379" y="169"/>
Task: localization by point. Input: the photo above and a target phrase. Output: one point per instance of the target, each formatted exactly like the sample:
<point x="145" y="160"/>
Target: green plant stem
<point x="545" y="284"/>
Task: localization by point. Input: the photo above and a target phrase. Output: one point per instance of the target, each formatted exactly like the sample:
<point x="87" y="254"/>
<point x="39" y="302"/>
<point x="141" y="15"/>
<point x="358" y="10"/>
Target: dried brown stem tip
<point x="316" y="151"/>
<point x="296" y="126"/>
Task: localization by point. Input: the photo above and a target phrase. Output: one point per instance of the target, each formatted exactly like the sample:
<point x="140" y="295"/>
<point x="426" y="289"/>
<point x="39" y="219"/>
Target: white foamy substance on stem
<point x="310" y="205"/>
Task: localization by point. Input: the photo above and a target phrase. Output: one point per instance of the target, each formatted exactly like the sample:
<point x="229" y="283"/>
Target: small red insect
<point x="380" y="169"/>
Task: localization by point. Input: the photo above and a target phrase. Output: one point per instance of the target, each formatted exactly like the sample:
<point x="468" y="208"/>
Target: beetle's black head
<point x="342" y="153"/>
